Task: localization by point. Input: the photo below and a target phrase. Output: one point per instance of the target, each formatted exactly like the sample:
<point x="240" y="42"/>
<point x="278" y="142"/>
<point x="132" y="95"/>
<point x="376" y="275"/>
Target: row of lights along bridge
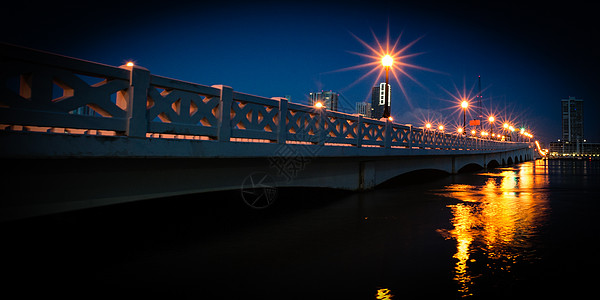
<point x="506" y="132"/>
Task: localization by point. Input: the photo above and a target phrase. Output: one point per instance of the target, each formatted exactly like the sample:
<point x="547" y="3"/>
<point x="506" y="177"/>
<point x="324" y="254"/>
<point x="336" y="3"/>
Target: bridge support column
<point x="484" y="161"/>
<point x="366" y="175"/>
<point x="453" y="164"/>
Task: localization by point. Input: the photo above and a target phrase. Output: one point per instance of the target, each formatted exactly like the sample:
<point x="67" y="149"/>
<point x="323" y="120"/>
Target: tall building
<point x="572" y="141"/>
<point x="572" y="120"/>
<point x="328" y="99"/>
<point x="378" y="100"/>
<point x="363" y="109"/>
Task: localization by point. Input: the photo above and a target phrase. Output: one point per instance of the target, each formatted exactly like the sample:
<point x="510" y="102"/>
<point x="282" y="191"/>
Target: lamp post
<point x="491" y="119"/>
<point x="387" y="61"/>
<point x="464" y="106"/>
<point x="511" y="130"/>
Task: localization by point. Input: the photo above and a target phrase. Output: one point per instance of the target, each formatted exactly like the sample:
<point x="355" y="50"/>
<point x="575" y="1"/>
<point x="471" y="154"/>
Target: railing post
<point x="359" y="134"/>
<point x="282" y="120"/>
<point x="410" y="136"/>
<point x="322" y="117"/>
<point x="226" y="99"/>
<point x="387" y="138"/>
<point x="137" y="96"/>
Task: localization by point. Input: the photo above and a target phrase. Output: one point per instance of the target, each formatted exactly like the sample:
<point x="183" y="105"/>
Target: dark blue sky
<point x="528" y="56"/>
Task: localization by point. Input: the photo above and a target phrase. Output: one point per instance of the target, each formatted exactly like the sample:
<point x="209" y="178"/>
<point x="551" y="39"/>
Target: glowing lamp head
<point x="441" y="127"/>
<point x="464" y="104"/>
<point x="491" y="119"/>
<point x="473" y="132"/>
<point x="428" y="125"/>
<point x="129" y="64"/>
<point x="318" y="104"/>
<point x="390" y="118"/>
<point x="387" y="61"/>
<point x="460" y="130"/>
<point x="505" y="125"/>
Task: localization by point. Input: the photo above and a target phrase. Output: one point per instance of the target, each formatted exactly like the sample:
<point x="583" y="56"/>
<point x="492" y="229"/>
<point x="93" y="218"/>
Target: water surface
<point x="524" y="231"/>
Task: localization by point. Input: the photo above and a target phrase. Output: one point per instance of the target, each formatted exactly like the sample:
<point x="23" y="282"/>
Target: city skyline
<point x="271" y="49"/>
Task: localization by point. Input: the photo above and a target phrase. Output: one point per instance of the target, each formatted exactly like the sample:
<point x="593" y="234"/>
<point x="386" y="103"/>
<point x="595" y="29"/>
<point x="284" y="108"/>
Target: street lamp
<point x="512" y="129"/>
<point x="491" y="119"/>
<point x="387" y="62"/>
<point x="464" y="106"/>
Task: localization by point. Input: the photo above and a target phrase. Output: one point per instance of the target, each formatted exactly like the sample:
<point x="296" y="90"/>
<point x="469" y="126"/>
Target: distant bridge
<point x="77" y="134"/>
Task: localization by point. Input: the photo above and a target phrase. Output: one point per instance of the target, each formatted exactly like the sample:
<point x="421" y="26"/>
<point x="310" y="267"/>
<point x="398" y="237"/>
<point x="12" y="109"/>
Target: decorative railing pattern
<point x="43" y="91"/>
<point x="181" y="108"/>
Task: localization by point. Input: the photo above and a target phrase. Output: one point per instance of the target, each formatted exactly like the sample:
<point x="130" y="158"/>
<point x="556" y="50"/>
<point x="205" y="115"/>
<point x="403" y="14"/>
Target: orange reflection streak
<point x="384" y="294"/>
<point x="497" y="220"/>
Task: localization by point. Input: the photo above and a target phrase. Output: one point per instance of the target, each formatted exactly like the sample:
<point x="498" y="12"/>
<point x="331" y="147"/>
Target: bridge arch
<point x="471" y="167"/>
<point x="414" y="177"/>
<point x="493" y="164"/>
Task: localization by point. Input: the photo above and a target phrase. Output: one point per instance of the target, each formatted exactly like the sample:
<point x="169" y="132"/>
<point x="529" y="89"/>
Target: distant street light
<point x="464" y="106"/>
<point x="512" y="129"/>
<point x="387" y="62"/>
<point x="491" y="119"/>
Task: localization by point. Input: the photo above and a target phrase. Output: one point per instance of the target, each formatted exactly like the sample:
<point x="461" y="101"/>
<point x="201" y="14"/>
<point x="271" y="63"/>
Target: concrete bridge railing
<point x="52" y="93"/>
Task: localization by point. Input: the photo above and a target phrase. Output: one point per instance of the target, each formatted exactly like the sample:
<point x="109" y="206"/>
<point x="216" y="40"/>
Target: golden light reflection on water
<point x="384" y="294"/>
<point x="496" y="221"/>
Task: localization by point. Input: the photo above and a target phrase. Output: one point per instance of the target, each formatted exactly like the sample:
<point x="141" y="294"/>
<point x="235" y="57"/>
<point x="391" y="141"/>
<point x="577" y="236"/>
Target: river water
<point x="524" y="231"/>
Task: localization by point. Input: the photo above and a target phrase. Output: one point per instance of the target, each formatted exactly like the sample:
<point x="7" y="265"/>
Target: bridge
<point x="76" y="134"/>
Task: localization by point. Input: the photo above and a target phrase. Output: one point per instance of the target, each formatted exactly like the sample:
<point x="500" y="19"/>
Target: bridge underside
<point x="36" y="185"/>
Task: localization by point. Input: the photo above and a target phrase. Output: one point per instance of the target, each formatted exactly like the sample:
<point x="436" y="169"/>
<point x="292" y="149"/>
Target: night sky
<point x="528" y="56"/>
